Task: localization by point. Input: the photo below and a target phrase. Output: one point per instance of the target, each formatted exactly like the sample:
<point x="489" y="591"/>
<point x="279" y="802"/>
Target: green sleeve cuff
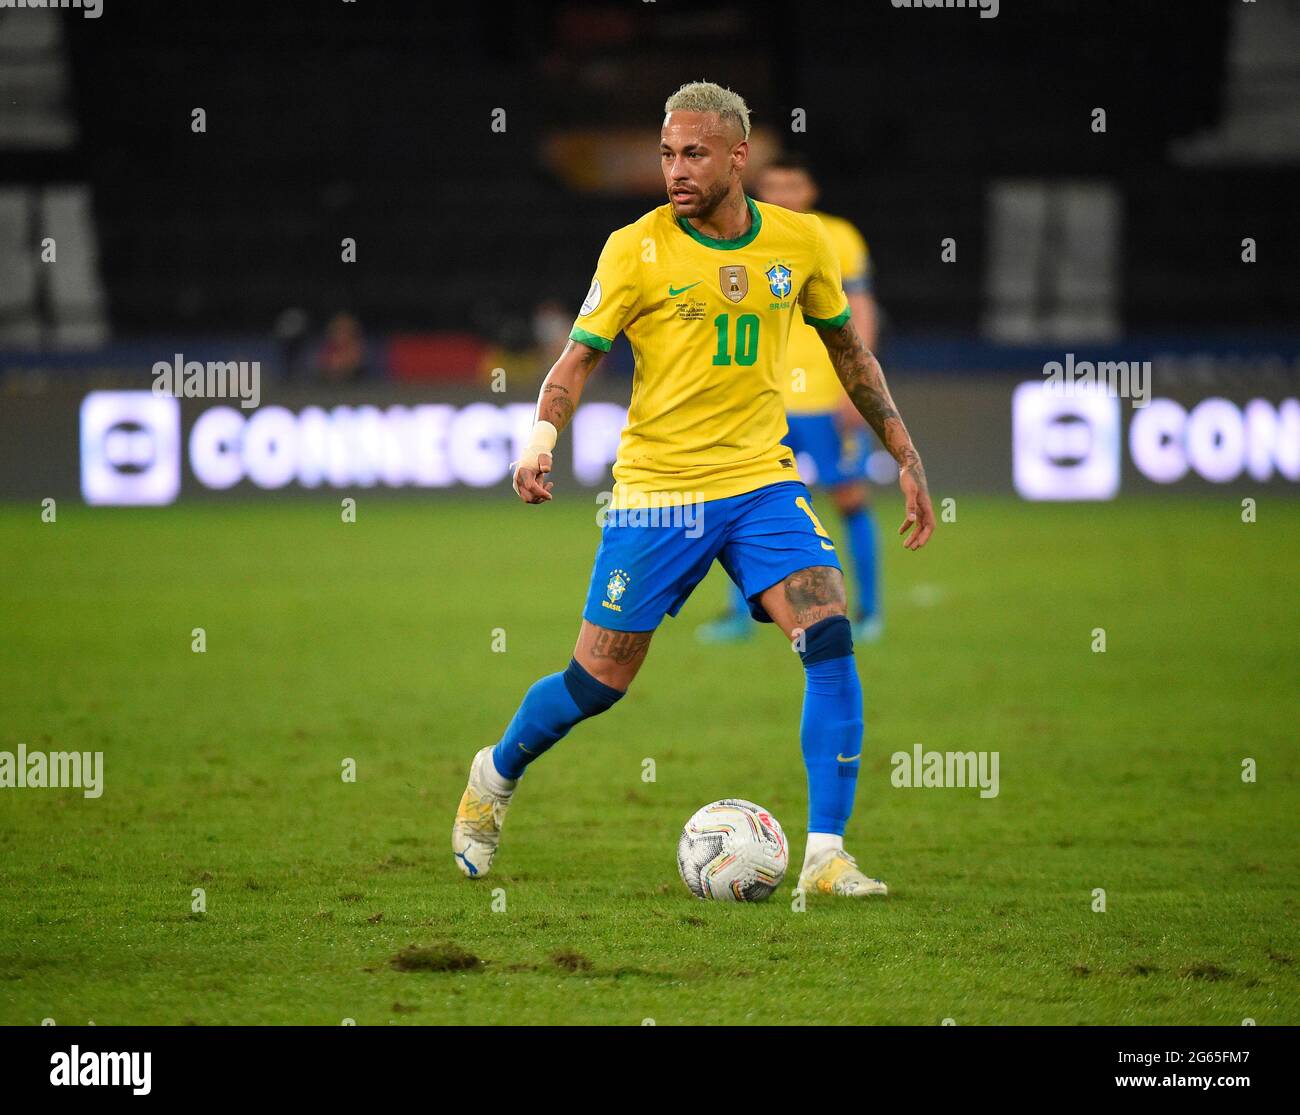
<point x="594" y="341"/>
<point x="836" y="322"/>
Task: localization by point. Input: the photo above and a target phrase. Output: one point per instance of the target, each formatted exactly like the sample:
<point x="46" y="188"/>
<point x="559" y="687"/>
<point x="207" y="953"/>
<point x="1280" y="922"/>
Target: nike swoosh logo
<point x="674" y="291"/>
<point x="828" y="545"/>
<point x="850" y="759"/>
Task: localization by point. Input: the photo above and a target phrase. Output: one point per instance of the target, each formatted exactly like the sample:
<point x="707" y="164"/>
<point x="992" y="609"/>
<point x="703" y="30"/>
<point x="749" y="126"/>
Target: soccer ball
<point x="732" y="850"/>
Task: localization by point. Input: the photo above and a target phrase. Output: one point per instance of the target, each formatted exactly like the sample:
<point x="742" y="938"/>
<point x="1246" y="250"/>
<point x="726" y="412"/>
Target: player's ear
<point x="740" y="154"/>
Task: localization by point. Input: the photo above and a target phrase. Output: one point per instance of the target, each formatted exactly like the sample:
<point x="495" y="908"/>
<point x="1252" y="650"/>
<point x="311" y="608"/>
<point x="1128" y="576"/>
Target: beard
<point x="705" y="203"/>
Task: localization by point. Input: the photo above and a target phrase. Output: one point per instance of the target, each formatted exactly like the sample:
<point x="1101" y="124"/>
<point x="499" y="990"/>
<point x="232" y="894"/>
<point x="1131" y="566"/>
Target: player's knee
<point x="827" y="640"/>
<point x="590" y="694"/>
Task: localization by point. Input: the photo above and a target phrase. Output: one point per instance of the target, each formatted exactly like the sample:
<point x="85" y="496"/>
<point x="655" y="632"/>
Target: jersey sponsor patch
<point x="592" y="300"/>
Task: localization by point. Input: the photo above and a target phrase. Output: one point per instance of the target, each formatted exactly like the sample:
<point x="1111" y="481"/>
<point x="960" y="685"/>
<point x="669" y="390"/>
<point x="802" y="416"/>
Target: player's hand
<point x="920" y="515"/>
<point x="531" y="484"/>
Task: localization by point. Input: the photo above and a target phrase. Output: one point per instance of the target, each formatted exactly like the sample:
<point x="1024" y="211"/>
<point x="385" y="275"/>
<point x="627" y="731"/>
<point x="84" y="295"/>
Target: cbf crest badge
<point x="734" y="281"/>
<point x="778" y="279"/>
<point x="614" y="590"/>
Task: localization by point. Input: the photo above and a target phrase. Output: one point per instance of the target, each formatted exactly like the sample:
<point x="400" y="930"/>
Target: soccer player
<point x="824" y="423"/>
<point x="705" y="288"/>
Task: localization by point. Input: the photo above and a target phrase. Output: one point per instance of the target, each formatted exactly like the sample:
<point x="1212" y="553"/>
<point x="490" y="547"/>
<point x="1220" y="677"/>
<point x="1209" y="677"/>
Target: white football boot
<point x="837" y="873"/>
<point x="479" y="817"/>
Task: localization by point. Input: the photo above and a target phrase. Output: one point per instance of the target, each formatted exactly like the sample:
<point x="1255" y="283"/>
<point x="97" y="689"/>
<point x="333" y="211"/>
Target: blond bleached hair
<point x="705" y="96"/>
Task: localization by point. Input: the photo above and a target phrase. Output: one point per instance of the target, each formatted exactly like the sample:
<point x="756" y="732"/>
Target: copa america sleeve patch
<point x="592" y="300"/>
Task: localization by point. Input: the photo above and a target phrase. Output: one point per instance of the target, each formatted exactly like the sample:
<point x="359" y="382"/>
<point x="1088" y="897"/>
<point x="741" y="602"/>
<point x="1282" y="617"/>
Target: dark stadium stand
<point x="461" y="228"/>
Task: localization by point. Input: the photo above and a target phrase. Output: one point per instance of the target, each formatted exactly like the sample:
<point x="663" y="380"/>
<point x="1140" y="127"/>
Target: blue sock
<point x="739" y="605"/>
<point x="861" y="529"/>
<point x="831" y="729"/>
<point x="549" y="709"/>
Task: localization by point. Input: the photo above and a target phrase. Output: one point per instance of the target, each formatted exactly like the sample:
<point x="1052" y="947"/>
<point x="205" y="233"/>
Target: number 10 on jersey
<point x="746" y="350"/>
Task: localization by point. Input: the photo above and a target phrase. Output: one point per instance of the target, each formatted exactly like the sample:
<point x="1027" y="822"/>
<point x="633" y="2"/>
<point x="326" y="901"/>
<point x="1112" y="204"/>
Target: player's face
<point x="790" y="189"/>
<point x="700" y="161"/>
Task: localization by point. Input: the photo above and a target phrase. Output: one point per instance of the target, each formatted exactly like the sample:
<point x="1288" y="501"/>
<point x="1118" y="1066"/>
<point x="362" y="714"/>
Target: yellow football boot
<point x="838" y="874"/>
<point x="479" y="817"/>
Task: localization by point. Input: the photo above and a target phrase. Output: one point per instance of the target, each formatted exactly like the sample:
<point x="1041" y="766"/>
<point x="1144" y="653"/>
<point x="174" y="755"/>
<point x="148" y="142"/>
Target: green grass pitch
<point x="373" y="641"/>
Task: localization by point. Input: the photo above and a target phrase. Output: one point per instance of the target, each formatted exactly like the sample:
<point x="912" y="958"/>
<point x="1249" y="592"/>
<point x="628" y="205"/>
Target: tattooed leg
<point x="611" y="657"/>
<point x="805" y="598"/>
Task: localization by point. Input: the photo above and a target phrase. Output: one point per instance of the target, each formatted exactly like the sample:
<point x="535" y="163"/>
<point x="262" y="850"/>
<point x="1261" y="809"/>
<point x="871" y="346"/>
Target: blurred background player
<point x="824" y="424"/>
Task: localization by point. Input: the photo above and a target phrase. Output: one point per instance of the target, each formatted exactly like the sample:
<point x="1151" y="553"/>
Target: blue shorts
<point x="837" y="457"/>
<point x="646" y="567"/>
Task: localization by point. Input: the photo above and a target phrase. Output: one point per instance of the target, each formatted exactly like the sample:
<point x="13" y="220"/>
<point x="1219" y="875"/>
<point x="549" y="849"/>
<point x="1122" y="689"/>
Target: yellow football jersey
<point x="708" y="322"/>
<point x="810" y="384"/>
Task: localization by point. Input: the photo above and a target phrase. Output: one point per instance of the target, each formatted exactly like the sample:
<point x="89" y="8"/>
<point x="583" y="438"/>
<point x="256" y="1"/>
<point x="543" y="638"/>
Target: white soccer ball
<point x="734" y="851"/>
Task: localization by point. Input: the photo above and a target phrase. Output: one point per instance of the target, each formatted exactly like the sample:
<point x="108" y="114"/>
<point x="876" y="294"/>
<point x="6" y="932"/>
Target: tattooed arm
<point x="563" y="385"/>
<point x="556" y="403"/>
<point x="864" y="380"/>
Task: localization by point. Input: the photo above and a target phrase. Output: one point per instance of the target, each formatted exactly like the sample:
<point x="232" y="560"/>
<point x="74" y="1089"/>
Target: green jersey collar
<point x="755" y="223"/>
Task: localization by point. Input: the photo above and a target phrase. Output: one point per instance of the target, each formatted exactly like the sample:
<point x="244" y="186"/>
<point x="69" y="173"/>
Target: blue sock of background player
<point x="860" y="527"/>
